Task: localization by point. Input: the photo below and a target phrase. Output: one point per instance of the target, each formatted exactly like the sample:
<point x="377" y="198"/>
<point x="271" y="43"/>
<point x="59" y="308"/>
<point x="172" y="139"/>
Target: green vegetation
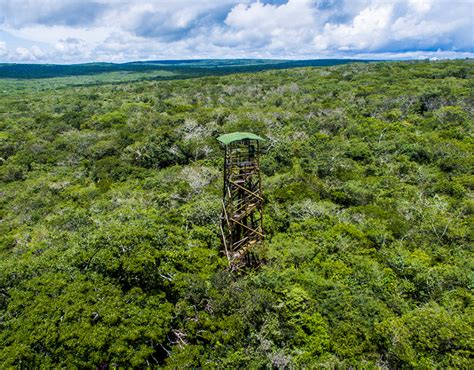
<point x="110" y="200"/>
<point x="8" y="85"/>
<point x="162" y="69"/>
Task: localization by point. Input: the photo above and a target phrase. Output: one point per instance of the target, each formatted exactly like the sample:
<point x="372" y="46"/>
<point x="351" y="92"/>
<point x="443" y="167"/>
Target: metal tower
<point x="242" y="213"/>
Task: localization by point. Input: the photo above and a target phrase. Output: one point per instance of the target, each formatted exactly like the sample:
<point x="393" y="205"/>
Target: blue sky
<point x="74" y="31"/>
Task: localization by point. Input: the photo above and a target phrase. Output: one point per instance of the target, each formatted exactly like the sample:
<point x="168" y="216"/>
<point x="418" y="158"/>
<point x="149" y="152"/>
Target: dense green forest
<point x="110" y="203"/>
<point x="170" y="69"/>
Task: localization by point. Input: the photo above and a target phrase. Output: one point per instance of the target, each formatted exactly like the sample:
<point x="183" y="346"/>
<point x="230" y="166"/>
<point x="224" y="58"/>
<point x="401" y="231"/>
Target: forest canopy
<point x="110" y="203"/>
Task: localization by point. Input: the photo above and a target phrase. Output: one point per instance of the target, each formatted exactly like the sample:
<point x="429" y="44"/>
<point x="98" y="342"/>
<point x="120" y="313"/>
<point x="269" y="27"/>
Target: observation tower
<point x="242" y="203"/>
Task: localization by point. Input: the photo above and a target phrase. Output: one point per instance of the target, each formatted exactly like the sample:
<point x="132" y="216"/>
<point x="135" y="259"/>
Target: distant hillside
<point x="180" y="68"/>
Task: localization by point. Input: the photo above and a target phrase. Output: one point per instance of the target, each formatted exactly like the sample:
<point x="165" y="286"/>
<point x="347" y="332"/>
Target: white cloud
<point x="420" y="25"/>
<point x="367" y="30"/>
<point x="3" y="49"/>
<point x="282" y="27"/>
<point x="37" y="52"/>
<point x="24" y="54"/>
<point x="110" y="30"/>
<point x="295" y="14"/>
<point x="75" y="13"/>
<point x="420" y="6"/>
<point x="52" y="34"/>
<point x="72" y="49"/>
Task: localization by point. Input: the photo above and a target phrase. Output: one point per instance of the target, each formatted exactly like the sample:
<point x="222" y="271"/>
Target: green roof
<point x="237" y="136"/>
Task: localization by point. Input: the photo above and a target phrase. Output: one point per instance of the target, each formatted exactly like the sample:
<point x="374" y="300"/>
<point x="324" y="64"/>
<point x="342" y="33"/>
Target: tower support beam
<point x="242" y="213"/>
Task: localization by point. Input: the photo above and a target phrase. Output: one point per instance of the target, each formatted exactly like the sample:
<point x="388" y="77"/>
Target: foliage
<point x="110" y="201"/>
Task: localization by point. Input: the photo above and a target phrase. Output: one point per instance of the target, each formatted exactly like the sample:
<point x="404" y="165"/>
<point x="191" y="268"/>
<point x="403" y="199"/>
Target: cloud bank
<point x="73" y="31"/>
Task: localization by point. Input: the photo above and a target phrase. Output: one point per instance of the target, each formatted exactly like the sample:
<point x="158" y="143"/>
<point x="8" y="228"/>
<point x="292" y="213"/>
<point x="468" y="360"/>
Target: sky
<point x="77" y="31"/>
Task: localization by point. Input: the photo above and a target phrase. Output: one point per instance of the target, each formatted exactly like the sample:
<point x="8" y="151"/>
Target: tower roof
<point x="226" y="139"/>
